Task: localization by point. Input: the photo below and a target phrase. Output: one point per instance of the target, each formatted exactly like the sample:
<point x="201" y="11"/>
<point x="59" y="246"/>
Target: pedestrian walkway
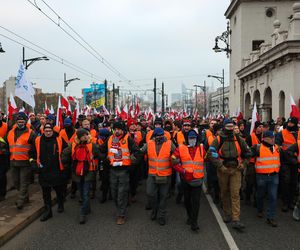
<point x="13" y="220"/>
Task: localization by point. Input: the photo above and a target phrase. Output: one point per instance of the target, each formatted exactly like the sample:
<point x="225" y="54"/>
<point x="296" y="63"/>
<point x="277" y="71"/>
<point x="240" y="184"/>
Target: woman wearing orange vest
<point x="82" y="156"/>
<point x="52" y="174"/>
<point x="188" y="160"/>
<point x="288" y="174"/>
<point x="120" y="150"/>
<point x="267" y="165"/>
<point x="159" y="151"/>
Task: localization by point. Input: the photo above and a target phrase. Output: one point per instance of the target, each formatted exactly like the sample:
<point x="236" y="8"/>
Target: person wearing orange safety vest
<point x="121" y="151"/>
<point x="250" y="180"/>
<point x="293" y="154"/>
<point x="159" y="151"/>
<point x="188" y="160"/>
<point x="51" y="119"/>
<point x="48" y="165"/>
<point x="233" y="157"/>
<point x="21" y="140"/>
<point x="180" y="137"/>
<point x="267" y="166"/>
<point x="68" y="133"/>
<point x="288" y="174"/>
<point x="82" y="156"/>
<point x="158" y="123"/>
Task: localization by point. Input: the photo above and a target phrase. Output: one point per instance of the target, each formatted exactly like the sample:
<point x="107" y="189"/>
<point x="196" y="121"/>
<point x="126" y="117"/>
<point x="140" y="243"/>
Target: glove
<point x="188" y="176"/>
<point x="34" y="166"/>
<point x="215" y="155"/>
<point x="241" y="166"/>
<point x="179" y="169"/>
<point x="212" y="149"/>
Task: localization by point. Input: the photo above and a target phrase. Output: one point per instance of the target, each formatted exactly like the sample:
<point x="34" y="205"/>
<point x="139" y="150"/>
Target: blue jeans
<point x="84" y="190"/>
<point x="267" y="183"/>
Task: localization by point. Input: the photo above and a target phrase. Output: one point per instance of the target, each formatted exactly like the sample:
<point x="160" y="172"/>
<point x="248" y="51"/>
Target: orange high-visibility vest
<point x="38" y="150"/>
<point x="64" y="136"/>
<point x="3" y="129"/>
<point x="267" y="162"/>
<point x="237" y="145"/>
<point x="19" y="149"/>
<point x="138" y="137"/>
<point x="210" y="139"/>
<point x="126" y="161"/>
<point x="288" y="139"/>
<point x="208" y="133"/>
<point x="180" y="138"/>
<point x="298" y="156"/>
<point x="55" y="129"/>
<point x="93" y="133"/>
<point x="159" y="164"/>
<point x="195" y="165"/>
<point x="91" y="160"/>
<point x="254" y="141"/>
<point x="150" y="133"/>
<point x="100" y="141"/>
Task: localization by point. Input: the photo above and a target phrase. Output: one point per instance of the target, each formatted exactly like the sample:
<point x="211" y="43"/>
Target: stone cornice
<point x="234" y="4"/>
<point x="276" y="56"/>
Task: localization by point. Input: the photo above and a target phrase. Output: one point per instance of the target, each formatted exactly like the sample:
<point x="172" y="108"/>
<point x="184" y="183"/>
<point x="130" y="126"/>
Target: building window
<point x="270" y="12"/>
<point x="256" y="44"/>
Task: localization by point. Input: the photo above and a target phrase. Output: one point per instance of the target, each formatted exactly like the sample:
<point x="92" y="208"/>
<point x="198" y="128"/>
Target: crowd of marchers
<point x="175" y="157"/>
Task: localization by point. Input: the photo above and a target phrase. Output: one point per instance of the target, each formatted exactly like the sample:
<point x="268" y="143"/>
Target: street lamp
<point x="204" y="89"/>
<point x="1" y="49"/>
<point x="222" y="81"/>
<point x="224" y="38"/>
<point x="28" y="62"/>
<point x="67" y="82"/>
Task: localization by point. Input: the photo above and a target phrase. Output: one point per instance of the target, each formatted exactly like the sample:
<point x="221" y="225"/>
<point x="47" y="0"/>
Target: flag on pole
<point x="65" y="103"/>
<point x="118" y="111"/>
<point x="51" y="110"/>
<point x="75" y="114"/>
<point x="12" y="107"/>
<point x="255" y="118"/>
<point x="24" y="89"/>
<point x="59" y="112"/>
<point x="46" y="109"/>
<point x="124" y="113"/>
<point x="294" y="110"/>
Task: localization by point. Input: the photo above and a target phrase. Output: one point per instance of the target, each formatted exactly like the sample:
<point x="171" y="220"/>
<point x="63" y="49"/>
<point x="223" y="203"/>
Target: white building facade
<point x="265" y="57"/>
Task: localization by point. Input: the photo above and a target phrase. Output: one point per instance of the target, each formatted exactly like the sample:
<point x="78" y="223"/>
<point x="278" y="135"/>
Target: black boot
<point x="47" y="213"/>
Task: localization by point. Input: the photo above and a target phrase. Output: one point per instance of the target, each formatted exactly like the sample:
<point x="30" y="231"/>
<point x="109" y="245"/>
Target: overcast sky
<point x="168" y="39"/>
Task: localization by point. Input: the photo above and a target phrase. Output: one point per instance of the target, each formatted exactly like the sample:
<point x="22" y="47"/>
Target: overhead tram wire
<point x="62" y="61"/>
<point x="49" y="52"/>
<point x="101" y="59"/>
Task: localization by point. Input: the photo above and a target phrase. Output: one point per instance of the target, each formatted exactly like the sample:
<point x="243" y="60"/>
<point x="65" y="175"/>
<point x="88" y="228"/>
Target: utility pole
<point x="154" y="90"/>
<point x="196" y="98"/>
<point x="205" y="104"/>
<point x="223" y="83"/>
<point x="162" y="98"/>
<point x="105" y="85"/>
<point x="114" y="98"/>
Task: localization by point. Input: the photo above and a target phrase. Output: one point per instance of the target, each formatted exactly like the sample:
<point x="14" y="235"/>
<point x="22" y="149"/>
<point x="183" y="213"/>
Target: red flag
<point x="12" y="107"/>
<point x="46" y="109"/>
<point x="137" y="110"/>
<point x="75" y="114"/>
<point x="71" y="99"/>
<point x="124" y="113"/>
<point x="118" y="111"/>
<point x="65" y="103"/>
<point x="240" y="116"/>
<point x="294" y="110"/>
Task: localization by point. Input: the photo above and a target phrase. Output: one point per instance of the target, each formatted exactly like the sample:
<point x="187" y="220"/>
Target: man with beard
<point x="288" y="172"/>
<point x="231" y="150"/>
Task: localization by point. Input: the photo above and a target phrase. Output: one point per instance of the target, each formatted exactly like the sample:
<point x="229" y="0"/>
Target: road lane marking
<point x="227" y="235"/>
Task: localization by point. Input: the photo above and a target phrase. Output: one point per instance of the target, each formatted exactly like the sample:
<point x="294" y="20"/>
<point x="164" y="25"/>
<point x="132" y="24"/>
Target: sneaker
<point x="272" y="222"/>
<point x="195" y="227"/>
<point x="121" y="220"/>
<point x="296" y="214"/>
<point x="46" y="215"/>
<point x="238" y="225"/>
<point x="227" y="218"/>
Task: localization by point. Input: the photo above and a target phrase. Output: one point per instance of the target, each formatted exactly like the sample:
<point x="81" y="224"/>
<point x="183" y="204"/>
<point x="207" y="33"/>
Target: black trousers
<point x="105" y="183"/>
<point x="192" y="201"/>
<point x="133" y="179"/>
<point x="59" y="195"/>
<point x="288" y="183"/>
<point x="3" y="181"/>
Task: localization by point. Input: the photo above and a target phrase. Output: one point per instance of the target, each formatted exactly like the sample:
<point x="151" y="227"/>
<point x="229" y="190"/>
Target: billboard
<point x="94" y="96"/>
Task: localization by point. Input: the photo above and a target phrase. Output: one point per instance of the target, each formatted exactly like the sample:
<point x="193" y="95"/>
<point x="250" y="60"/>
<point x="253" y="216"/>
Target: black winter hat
<point x="293" y="120"/>
<point x="158" y="120"/>
<point x="81" y="132"/>
<point x="119" y="125"/>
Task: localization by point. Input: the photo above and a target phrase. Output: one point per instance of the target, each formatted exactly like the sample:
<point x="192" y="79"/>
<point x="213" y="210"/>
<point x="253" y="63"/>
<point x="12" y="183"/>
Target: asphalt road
<point x="101" y="232"/>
